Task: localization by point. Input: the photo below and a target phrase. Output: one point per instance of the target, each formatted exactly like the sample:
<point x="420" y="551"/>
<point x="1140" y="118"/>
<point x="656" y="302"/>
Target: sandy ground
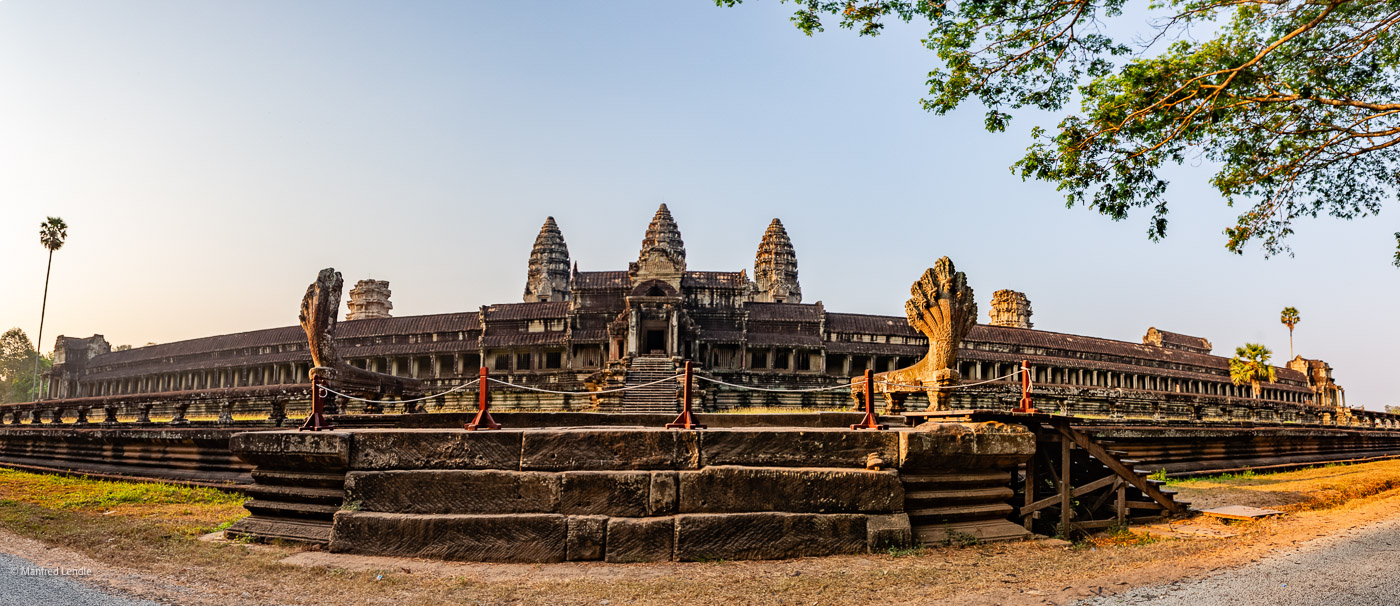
<point x="1037" y="572"/>
<point x="1358" y="567"/>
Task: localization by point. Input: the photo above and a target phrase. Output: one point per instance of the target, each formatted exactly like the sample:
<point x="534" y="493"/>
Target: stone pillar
<point x="144" y="416"/>
<point x="278" y="413"/>
<point x="180" y="409"/>
<point x="634" y="325"/>
<point x="226" y="412"/>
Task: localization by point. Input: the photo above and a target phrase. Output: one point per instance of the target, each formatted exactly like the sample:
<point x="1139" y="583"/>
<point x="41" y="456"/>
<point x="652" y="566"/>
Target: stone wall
<point x="619" y="494"/>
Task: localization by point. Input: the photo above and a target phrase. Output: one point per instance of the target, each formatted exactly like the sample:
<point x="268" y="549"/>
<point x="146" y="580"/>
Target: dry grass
<point x="147" y="531"/>
<point x="1305" y="489"/>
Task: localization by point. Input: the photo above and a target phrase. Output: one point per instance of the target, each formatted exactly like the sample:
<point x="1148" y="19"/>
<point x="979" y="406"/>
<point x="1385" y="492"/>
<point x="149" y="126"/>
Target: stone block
<point x="796" y="447"/>
<point x="446" y="491"/>
<point x="963" y="446"/>
<point x="768" y="536"/>
<point x="608" y="449"/>
<point x="436" y="449"/>
<point x="661" y="501"/>
<point x="884" y="532"/>
<point x="640" y="539"/>
<point x="472" y="538"/>
<point x="302" y="450"/>
<point x="612" y="493"/>
<point x="587" y="538"/>
<point x="734" y="489"/>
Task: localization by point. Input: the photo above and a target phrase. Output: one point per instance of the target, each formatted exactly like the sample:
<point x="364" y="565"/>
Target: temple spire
<point x="665" y="238"/>
<point x="548" y="275"/>
<point x="775" y="267"/>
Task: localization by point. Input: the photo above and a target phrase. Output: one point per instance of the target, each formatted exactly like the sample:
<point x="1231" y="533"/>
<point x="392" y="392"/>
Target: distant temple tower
<point x="1011" y="309"/>
<point x="369" y="299"/>
<point x="775" y="267"/>
<point x="663" y="252"/>
<point x="548" y="277"/>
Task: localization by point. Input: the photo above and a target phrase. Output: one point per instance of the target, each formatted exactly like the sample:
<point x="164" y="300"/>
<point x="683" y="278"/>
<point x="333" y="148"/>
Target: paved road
<point x="18" y="589"/>
<point x="1359" y="568"/>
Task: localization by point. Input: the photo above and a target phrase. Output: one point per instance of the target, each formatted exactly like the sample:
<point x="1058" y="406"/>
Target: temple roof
<point x="583" y="280"/>
<point x="527" y="311"/>
<point x="784" y="312"/>
<point x="714" y="279"/>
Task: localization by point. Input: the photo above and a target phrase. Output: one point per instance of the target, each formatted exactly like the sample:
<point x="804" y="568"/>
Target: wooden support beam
<point x="1030" y="492"/>
<point x="1100" y="453"/>
<point x="1065" y="488"/>
<point x="1080" y="491"/>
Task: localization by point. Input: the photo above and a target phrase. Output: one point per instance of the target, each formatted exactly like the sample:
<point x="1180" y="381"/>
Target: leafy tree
<point x="1290" y="318"/>
<point x="17" y="358"/>
<point x="53" y="232"/>
<point x="1294" y="101"/>
<point x="1251" y="365"/>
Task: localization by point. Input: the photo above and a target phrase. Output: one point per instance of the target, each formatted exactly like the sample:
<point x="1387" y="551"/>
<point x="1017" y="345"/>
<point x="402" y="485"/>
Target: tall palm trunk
<point x="39" y="346"/>
<point x="1290" y="342"/>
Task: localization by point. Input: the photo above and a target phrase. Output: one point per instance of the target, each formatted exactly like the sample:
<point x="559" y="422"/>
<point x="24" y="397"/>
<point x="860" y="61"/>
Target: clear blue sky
<point x="210" y="157"/>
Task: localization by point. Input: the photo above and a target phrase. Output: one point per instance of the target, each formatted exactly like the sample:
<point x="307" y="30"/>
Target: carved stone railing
<point x="267" y="404"/>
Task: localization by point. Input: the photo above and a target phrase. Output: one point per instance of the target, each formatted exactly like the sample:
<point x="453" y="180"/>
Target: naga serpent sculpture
<point x="319" y="309"/>
<point x="943" y="308"/>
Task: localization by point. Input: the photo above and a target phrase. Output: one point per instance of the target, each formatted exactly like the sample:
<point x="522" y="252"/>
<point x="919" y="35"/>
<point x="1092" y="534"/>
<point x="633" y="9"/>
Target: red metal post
<point x="1026" y="405"/>
<point x="316" y="421"/>
<point x="483" y="418"/>
<point x="869" y="421"/>
<point x="687" y="418"/>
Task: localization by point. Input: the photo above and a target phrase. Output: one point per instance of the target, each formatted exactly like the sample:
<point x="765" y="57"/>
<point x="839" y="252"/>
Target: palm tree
<point x="1251" y="365"/>
<point x="53" y="232"/>
<point x="1290" y="319"/>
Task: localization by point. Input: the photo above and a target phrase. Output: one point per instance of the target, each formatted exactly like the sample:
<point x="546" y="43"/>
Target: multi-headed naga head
<point x="942" y="307"/>
<point x="318" y="311"/>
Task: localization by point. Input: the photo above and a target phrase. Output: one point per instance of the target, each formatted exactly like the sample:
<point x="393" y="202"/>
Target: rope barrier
<point x="779" y="390"/>
<point x="951" y="387"/>
<point x="672" y="378"/>
<point x="585" y="393"/>
<point x="350" y="397"/>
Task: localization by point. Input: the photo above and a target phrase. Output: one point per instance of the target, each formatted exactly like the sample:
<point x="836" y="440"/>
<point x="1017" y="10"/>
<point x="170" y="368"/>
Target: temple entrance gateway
<point x="655" y="342"/>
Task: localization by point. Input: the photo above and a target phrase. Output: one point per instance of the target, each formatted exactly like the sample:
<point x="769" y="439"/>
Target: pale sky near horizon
<point x="211" y="157"/>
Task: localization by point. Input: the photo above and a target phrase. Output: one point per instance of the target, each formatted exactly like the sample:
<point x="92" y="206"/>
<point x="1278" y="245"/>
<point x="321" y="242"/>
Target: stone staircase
<point x="948" y="506"/>
<point x="661" y="397"/>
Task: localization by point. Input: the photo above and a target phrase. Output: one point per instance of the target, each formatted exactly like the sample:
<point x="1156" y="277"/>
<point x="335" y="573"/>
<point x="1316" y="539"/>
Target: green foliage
<point x="905" y="551"/>
<point x="1251" y="365"/>
<point x="53" y="232"/>
<point x="1294" y="101"/>
<point x="1289" y="317"/>
<point x="1160" y="475"/>
<point x="17" y="366"/>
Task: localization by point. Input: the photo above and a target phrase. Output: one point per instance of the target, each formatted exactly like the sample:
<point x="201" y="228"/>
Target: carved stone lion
<point x="943" y="308"/>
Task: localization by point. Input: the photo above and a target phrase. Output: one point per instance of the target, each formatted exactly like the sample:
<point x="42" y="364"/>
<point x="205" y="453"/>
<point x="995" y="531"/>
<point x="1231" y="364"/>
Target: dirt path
<point x="1359" y="567"/>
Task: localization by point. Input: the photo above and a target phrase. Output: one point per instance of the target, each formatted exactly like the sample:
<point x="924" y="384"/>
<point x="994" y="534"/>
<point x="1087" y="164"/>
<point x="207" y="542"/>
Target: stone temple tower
<point x="369" y="299"/>
<point x="663" y="252"/>
<point x="548" y="277"/>
<point x="1011" y="308"/>
<point x="775" y="267"/>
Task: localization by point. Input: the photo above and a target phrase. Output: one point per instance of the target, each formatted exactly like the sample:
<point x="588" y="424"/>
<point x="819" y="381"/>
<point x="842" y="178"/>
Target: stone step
<point x="926" y="498"/>
<point x="935" y="515"/>
<point x="916" y="481"/>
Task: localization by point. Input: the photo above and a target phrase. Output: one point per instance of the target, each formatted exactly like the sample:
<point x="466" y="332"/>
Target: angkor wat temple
<point x="579" y="330"/>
